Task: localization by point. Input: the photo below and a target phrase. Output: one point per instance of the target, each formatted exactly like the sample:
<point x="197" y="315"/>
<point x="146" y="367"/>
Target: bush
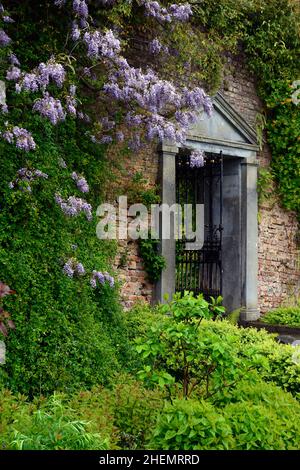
<point x="175" y="353"/>
<point x="190" y="425"/>
<point x="259" y="416"/>
<point x="288" y="316"/>
<point x="135" y="411"/>
<point x="275" y="362"/>
<point x="51" y="426"/>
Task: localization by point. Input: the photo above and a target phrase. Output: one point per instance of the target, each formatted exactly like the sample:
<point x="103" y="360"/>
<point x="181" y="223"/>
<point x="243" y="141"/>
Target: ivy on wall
<point x="268" y="32"/>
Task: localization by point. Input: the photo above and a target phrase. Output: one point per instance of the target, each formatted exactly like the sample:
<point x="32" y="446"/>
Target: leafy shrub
<point x="135" y="411"/>
<point x="258" y="416"/>
<point x="190" y="425"/>
<point x="261" y="427"/>
<point x="178" y="355"/>
<point x="289" y="316"/>
<point x="123" y="416"/>
<point x="275" y="362"/>
<point x="51" y="426"/>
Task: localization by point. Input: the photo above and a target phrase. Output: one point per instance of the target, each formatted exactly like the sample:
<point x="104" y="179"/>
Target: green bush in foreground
<point x="287" y="316"/>
<point x="260" y="417"/>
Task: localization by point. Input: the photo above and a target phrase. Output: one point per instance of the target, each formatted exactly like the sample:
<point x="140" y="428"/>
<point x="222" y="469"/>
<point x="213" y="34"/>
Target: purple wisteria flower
<point x="80" y="7"/>
<point x="25" y="177"/>
<point x="83" y="116"/>
<point x="68" y="270"/>
<point x="72" y="267"/>
<point x="51" y="70"/>
<point x="73" y="206"/>
<point x="155" y="47"/>
<point x="101" y="278"/>
<point x="4" y="108"/>
<point x="13" y="59"/>
<point x="197" y="159"/>
<point x="76" y="33"/>
<point x="180" y="12"/>
<point x="50" y="108"/>
<point x="4" y="39"/>
<point x="80" y="182"/>
<point x="20" y="137"/>
<point x="101" y="45"/>
<point x="106" y="139"/>
<point x="71" y="102"/>
<point x="173" y="12"/>
<point x="7" y="19"/>
<point x="40" y="77"/>
<point x="13" y="73"/>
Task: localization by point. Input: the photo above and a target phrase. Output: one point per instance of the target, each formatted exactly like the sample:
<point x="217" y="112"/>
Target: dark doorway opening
<point x="200" y="270"/>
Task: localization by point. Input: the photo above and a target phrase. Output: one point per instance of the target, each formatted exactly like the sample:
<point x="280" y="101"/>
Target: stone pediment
<point x="225" y="127"/>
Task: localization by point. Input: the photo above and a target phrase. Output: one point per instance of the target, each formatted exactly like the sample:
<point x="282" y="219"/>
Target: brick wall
<point x="279" y="274"/>
<point x="135" y="284"/>
<point x="278" y="253"/>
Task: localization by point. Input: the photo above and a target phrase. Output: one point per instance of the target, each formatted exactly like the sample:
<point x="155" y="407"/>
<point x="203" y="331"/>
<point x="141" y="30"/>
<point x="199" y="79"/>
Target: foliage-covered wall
<point x="61" y="60"/>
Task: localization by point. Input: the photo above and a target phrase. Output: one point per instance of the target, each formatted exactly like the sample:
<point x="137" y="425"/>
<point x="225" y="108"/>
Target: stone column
<point x="166" y="284"/>
<point x="249" y="223"/>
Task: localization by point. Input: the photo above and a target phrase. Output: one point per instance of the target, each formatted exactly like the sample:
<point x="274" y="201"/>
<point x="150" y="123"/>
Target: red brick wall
<point x="278" y="253"/>
<point x="279" y="275"/>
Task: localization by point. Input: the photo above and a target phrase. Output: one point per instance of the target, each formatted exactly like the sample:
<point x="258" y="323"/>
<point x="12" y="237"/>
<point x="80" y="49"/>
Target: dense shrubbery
<point x="289" y="316"/>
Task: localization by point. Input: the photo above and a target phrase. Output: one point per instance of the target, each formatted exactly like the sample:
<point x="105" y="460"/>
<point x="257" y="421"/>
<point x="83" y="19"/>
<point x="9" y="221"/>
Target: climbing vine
<point x="268" y="32"/>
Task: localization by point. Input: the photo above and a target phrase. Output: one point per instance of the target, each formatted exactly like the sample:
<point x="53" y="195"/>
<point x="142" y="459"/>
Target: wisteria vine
<point x="152" y="108"/>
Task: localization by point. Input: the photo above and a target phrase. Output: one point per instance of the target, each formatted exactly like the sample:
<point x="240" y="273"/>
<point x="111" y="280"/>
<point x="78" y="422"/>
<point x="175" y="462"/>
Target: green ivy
<point x="268" y="32"/>
<point x="154" y="263"/>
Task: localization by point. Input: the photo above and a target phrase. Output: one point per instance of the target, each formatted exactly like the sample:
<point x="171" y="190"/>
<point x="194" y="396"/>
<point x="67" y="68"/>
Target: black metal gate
<point x="200" y="271"/>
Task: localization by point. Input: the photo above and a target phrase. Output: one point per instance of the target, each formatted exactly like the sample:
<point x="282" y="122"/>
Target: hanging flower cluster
<point x="101" y="45"/>
<point x="173" y="12"/>
<point x="20" y="137"/>
<point x="81" y="182"/>
<point x="100" y="278"/>
<point x="50" y="108"/>
<point x="156" y="97"/>
<point x="73" y="206"/>
<point x="72" y="267"/>
<point x="197" y="159"/>
<point x="25" y="177"/>
<point x="156" y="47"/>
<point x="39" y="78"/>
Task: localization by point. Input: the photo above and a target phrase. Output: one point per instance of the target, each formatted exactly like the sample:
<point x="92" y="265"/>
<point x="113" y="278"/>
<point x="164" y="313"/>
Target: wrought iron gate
<point x="200" y="271"/>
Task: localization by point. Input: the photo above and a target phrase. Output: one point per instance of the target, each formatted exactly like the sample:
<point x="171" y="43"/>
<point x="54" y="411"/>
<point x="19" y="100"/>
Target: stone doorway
<point x="227" y="133"/>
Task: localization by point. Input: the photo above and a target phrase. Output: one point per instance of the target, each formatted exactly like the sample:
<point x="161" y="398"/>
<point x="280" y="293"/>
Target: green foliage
<point x="258" y="416"/>
<point x="288" y="316"/>
<point x="256" y="427"/>
<point x="50" y="427"/>
<point x="275" y="362"/>
<point x="154" y="263"/>
<point x="179" y="356"/>
<point x="265" y="185"/>
<point x="268" y="32"/>
<point x="119" y="417"/>
<point x="135" y="411"/>
<point x="190" y="425"/>
<point x="137" y="191"/>
<point x="219" y="354"/>
<point x="67" y="334"/>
